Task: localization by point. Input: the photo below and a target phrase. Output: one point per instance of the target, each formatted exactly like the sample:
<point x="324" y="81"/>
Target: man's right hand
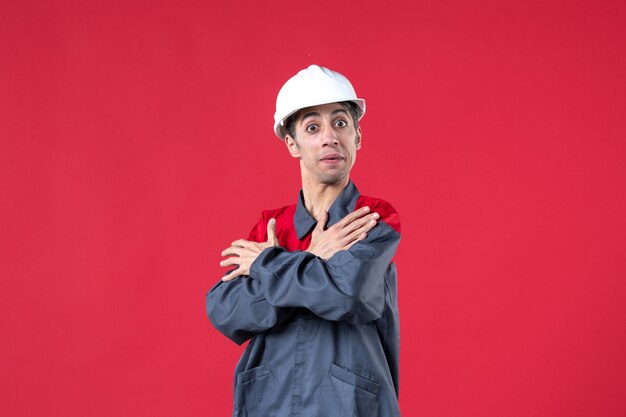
<point x="343" y="234"/>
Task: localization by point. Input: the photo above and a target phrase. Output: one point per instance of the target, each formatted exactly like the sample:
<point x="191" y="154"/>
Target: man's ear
<point x="292" y="146"/>
<point x="358" y="138"/>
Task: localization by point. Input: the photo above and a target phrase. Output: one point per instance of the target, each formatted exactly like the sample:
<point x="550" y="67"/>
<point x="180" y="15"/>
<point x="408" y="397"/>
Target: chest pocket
<point x="344" y="393"/>
<point x="254" y="393"/>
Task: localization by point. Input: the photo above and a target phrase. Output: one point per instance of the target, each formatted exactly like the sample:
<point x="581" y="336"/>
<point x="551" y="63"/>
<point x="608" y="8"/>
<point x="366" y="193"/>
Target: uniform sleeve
<point x="239" y="309"/>
<point x="349" y="286"/>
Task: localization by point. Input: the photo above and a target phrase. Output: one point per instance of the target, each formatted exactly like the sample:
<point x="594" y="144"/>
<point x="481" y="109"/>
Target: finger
<point x="238" y="251"/>
<point x="271" y="231"/>
<point x="360" y="223"/>
<point x="358" y="239"/>
<point x="356" y="214"/>
<point x="235" y="260"/>
<point x="231" y="275"/>
<point x="233" y="250"/>
<point x="361" y="232"/>
<point x="242" y="243"/>
<point x="321" y="221"/>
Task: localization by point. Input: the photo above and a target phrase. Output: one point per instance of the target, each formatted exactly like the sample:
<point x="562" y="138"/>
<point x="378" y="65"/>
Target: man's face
<point x="326" y="142"/>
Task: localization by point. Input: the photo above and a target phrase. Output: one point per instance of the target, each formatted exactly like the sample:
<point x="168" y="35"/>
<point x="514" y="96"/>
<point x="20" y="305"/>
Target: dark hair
<point x="289" y="127"/>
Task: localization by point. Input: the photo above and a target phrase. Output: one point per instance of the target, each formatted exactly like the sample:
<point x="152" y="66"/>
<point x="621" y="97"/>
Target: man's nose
<point x="329" y="135"/>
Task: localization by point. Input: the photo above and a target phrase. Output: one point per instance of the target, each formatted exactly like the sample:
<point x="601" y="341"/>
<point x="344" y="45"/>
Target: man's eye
<point x="341" y="123"/>
<point x="311" y="128"/>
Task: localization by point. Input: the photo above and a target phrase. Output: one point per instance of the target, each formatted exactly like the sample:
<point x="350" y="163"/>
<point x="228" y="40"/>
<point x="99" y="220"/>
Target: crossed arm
<point x="348" y="286"/>
<point x="324" y="243"/>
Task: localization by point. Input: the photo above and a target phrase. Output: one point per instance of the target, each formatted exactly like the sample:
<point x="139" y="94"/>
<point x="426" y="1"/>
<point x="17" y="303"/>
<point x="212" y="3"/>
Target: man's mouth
<point x="333" y="157"/>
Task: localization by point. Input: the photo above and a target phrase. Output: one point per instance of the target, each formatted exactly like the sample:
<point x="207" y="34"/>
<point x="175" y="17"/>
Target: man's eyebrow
<point x="316" y="114"/>
<point x="309" y="114"/>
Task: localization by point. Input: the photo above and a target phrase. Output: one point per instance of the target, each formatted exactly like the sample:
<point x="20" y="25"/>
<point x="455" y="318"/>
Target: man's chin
<point x="332" y="179"/>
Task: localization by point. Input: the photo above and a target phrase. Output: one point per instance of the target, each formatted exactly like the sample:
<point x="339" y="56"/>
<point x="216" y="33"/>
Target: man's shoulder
<point x="387" y="212"/>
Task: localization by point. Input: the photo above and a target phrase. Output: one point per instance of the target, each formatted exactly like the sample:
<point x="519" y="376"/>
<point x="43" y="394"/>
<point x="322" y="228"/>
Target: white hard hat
<point x="312" y="86"/>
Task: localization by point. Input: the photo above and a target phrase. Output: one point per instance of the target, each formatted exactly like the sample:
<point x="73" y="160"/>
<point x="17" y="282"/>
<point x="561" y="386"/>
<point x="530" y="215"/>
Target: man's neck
<point x="319" y="197"/>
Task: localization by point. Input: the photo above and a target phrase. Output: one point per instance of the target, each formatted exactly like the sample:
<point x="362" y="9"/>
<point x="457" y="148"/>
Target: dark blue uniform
<point x="325" y="335"/>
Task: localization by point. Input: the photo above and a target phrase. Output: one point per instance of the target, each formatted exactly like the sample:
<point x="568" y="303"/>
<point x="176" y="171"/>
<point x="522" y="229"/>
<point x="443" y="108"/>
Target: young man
<point x="314" y="285"/>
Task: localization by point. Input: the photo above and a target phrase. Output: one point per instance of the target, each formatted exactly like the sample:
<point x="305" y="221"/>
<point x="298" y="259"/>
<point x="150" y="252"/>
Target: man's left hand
<point x="245" y="252"/>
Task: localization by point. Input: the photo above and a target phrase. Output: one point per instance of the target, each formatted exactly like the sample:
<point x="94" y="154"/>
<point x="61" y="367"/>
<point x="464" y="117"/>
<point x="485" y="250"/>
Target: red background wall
<point x="136" y="143"/>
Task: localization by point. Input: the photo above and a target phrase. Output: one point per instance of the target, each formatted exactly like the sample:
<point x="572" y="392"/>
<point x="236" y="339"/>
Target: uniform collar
<point x="343" y="205"/>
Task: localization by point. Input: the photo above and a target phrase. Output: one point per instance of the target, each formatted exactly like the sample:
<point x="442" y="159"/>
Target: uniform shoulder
<point x="387" y="212"/>
<point x="278" y="212"/>
<point x="284" y="221"/>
